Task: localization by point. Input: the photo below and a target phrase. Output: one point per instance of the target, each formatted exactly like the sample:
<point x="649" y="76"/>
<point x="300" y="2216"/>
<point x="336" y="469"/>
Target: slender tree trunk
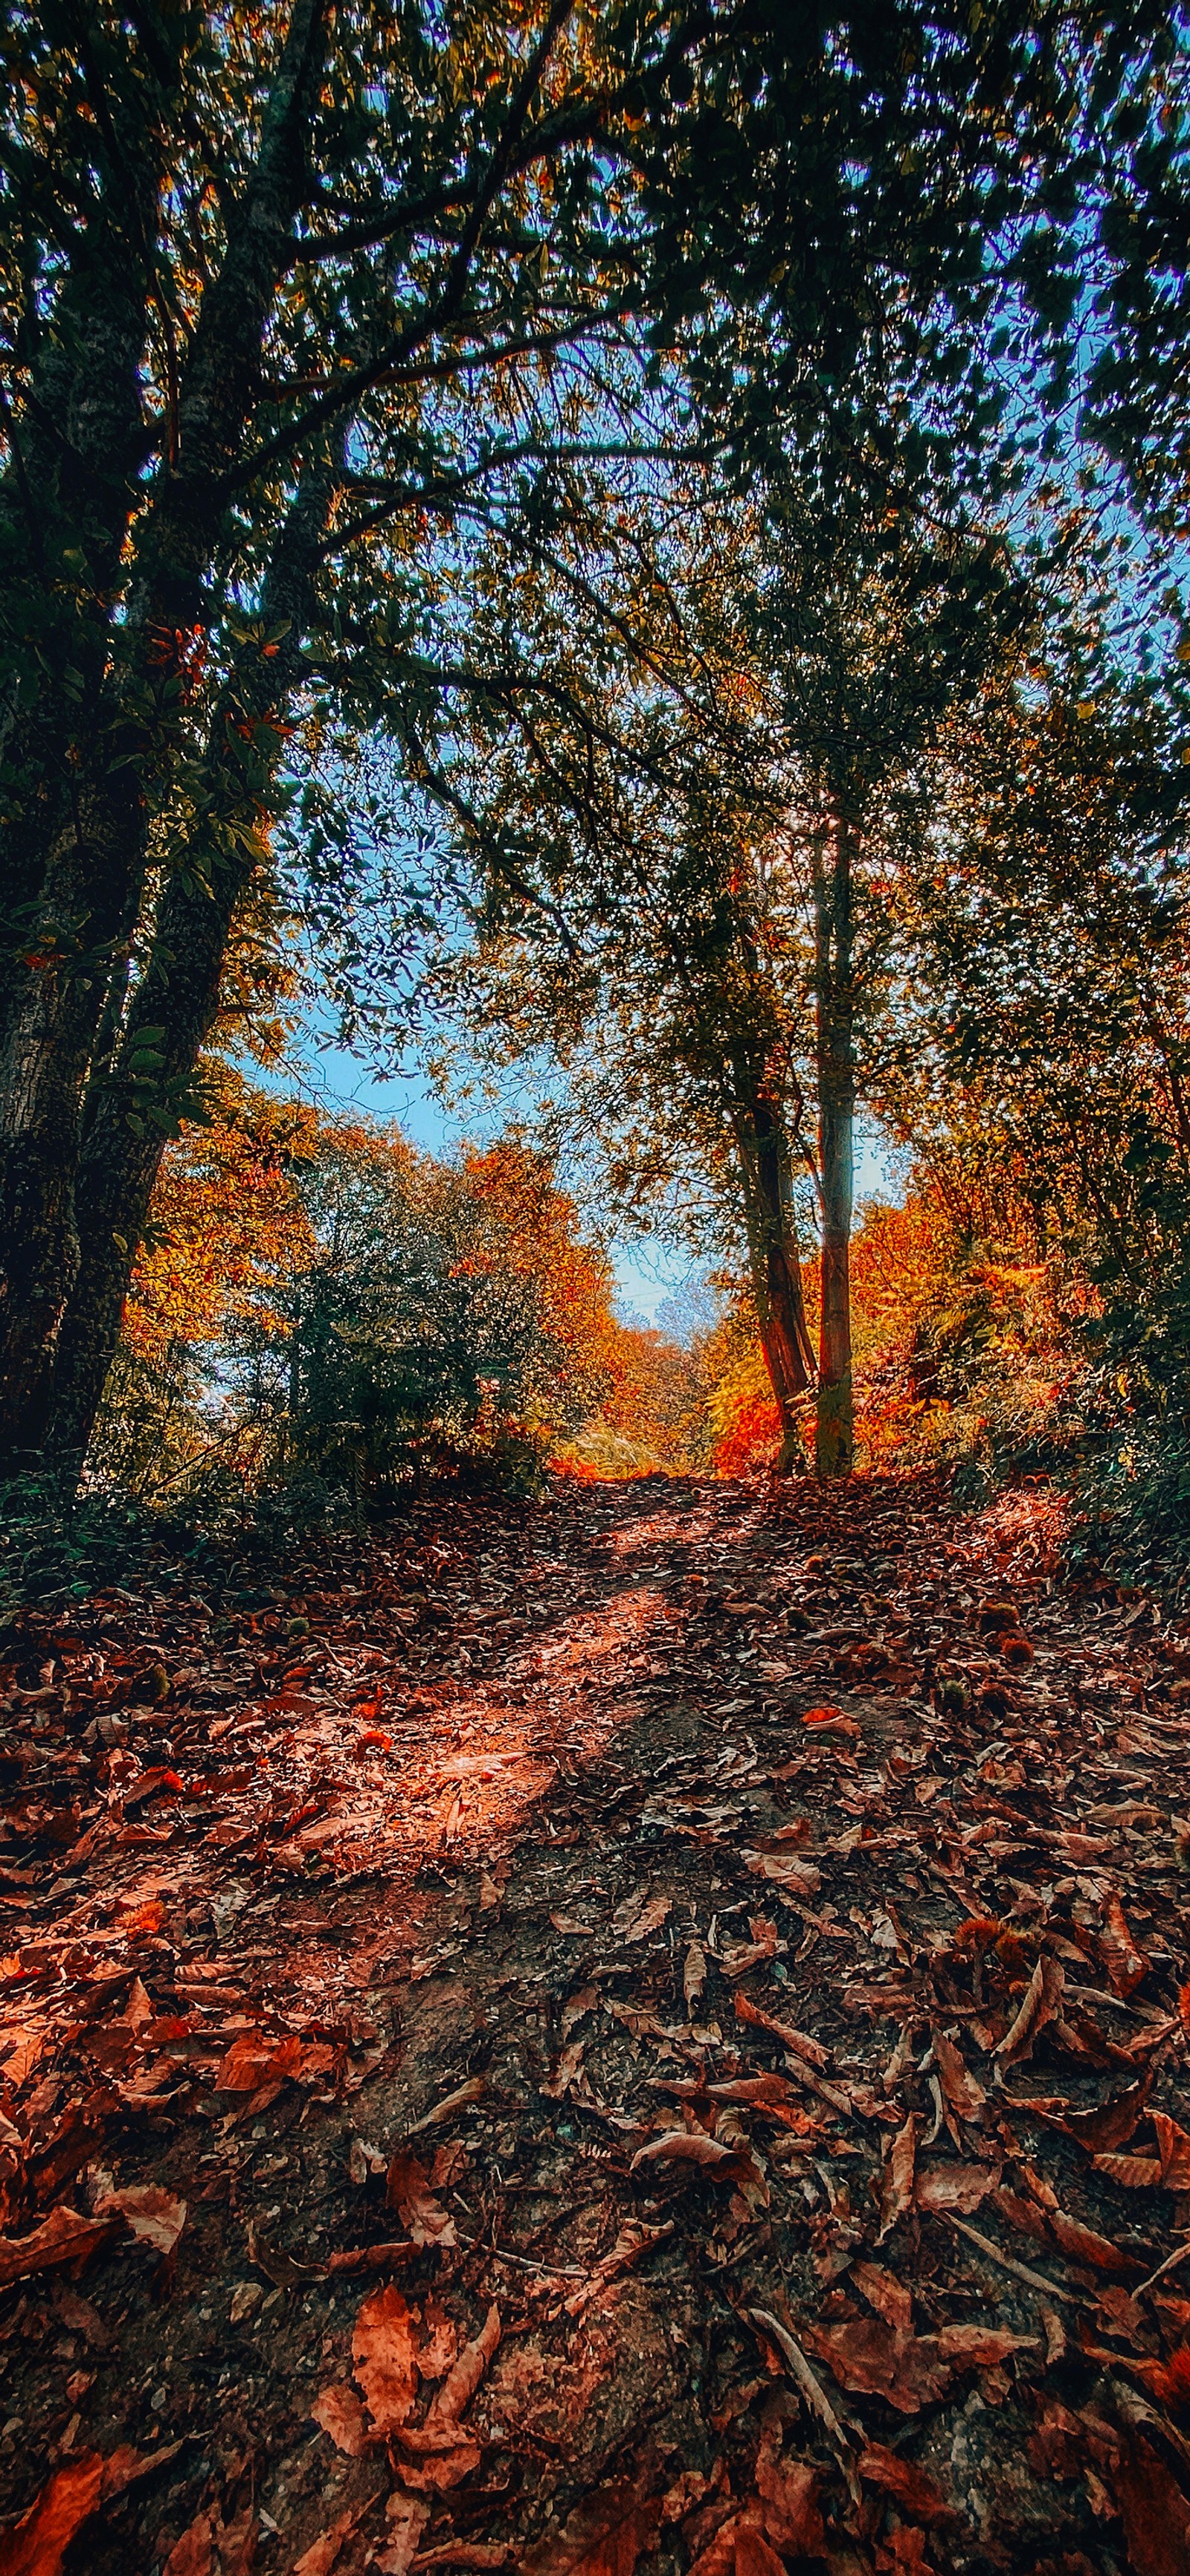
<point x="766" y="1169"/>
<point x="834" y="1017"/>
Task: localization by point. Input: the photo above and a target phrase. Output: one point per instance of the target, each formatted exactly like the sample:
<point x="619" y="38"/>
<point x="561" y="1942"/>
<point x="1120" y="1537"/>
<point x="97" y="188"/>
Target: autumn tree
<point x="290" y="296"/>
<point x="708" y="815"/>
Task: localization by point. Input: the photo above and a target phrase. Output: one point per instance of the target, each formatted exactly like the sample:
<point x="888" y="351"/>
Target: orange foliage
<point x="226" y="1224"/>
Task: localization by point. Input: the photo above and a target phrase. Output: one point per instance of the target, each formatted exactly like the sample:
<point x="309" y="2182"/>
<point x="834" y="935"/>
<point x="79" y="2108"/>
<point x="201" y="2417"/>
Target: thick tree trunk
<point x="834" y="1446"/>
<point x="94" y="748"/>
<point x="766" y="1170"/>
<point x="179" y="996"/>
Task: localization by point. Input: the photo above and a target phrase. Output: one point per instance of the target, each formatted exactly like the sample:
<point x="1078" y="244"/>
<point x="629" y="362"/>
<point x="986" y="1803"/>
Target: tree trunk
<point x="766" y="1169"/>
<point x="834" y="1446"/>
<point x="178" y="995"/>
<point x="96" y="736"/>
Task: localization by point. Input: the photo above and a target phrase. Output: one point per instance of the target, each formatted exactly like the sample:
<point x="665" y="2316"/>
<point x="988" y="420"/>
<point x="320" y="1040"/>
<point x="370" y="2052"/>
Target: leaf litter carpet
<point x="645" y="2031"/>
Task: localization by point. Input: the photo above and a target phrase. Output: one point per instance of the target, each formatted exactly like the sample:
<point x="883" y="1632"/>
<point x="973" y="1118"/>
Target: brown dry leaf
<point x="635" y="2239"/>
<point x="897" y="2193"/>
<point x="320" y="2557"/>
<point x="788" y="2490"/>
<point x="798" y="2041"/>
<point x="459" y="2388"/>
<point x="1112" y="2124"/>
<point x="962" y="2093"/>
<point x="753" y="2556"/>
<point x="983" y="2346"/>
<point x="1084" y="2246"/>
<point x="885" y="2293"/>
<point x="471" y="2091"/>
<point x="194" y="2552"/>
<point x="64" y="2237"/>
<point x="407" y="2191"/>
<point x="962" y="2187"/>
<point x="406" y="2517"/>
<point x="872" y="2359"/>
<point x="641" y="1914"/>
<point x="1125" y="1964"/>
<point x="154" y="2215"/>
<point x="727" y="2163"/>
<point x="687" y="2147"/>
<point x="1041" y="2000"/>
<point x="558" y="2083"/>
<point x="37" y="2544"/>
<point x="694" y="1975"/>
<point x="253" y="2061"/>
<point x="1155" y="2514"/>
<point x="1136" y="2173"/>
<point x="604" y="2536"/>
<point x="340" y="2413"/>
<point x="1173" y="2147"/>
<point x="784" y="1869"/>
<point x="910" y="2486"/>
<point x="384" y="2360"/>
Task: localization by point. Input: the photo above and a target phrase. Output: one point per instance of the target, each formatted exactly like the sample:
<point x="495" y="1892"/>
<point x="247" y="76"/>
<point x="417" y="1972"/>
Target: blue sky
<point x="647" y="1272"/>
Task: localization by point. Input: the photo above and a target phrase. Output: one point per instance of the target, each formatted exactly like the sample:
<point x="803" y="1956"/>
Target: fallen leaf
<point x="407" y="2191"/>
<point x="472" y="2091"/>
<point x="383" y="2358"/>
<point x="872" y="2359"/>
<point x="1173" y="2147"/>
<point x="1125" y="1964"/>
<point x="910" y="2486"/>
<point x="694" y="1975"/>
<point x="641" y="1914"/>
<point x="558" y="2083"/>
<point x="1084" y="2246"/>
<point x="983" y="2346"/>
<point x="406" y="2517"/>
<point x="64" y="2237"/>
<point x="885" y="2293"/>
<point x="340" y="2413"/>
<point x="897" y="2191"/>
<point x="789" y="2491"/>
<point x="155" y="2216"/>
<point x="459" y="2388"/>
<point x="320" y="2557"/>
<point x="193" y="2553"/>
<point x="1154" y="2512"/>
<point x="964" y="2095"/>
<point x="37" y="2544"/>
<point x="604" y="2536"/>
<point x="1041" y="2000"/>
<point x="784" y="1869"/>
<point x="940" y="2187"/>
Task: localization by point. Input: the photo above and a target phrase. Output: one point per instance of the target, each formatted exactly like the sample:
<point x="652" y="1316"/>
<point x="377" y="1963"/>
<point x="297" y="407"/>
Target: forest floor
<point x="645" y="2031"/>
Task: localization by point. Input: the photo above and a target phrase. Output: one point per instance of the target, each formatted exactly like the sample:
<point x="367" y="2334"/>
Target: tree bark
<point x="178" y="995"/>
<point x="766" y="1170"/>
<point x="95" y="740"/>
<point x="834" y="1445"/>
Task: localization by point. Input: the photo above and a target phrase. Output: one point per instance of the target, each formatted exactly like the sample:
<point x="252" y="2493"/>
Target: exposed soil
<point x="646" y="2030"/>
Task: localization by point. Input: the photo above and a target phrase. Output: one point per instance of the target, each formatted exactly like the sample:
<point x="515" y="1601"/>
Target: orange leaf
<point x="1155" y="2514"/>
<point x="384" y="2360"/>
<point x="64" y="2237"/>
<point x="340" y="2413"/>
<point x="897" y="2194"/>
<point x="37" y="2544"/>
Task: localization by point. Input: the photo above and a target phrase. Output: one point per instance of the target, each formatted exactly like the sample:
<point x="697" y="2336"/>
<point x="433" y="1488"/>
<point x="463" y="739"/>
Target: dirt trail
<point x="645" y="2030"/>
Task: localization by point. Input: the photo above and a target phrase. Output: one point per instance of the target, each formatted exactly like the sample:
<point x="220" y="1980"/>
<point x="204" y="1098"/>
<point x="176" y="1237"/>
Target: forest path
<point x="662" y="2010"/>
